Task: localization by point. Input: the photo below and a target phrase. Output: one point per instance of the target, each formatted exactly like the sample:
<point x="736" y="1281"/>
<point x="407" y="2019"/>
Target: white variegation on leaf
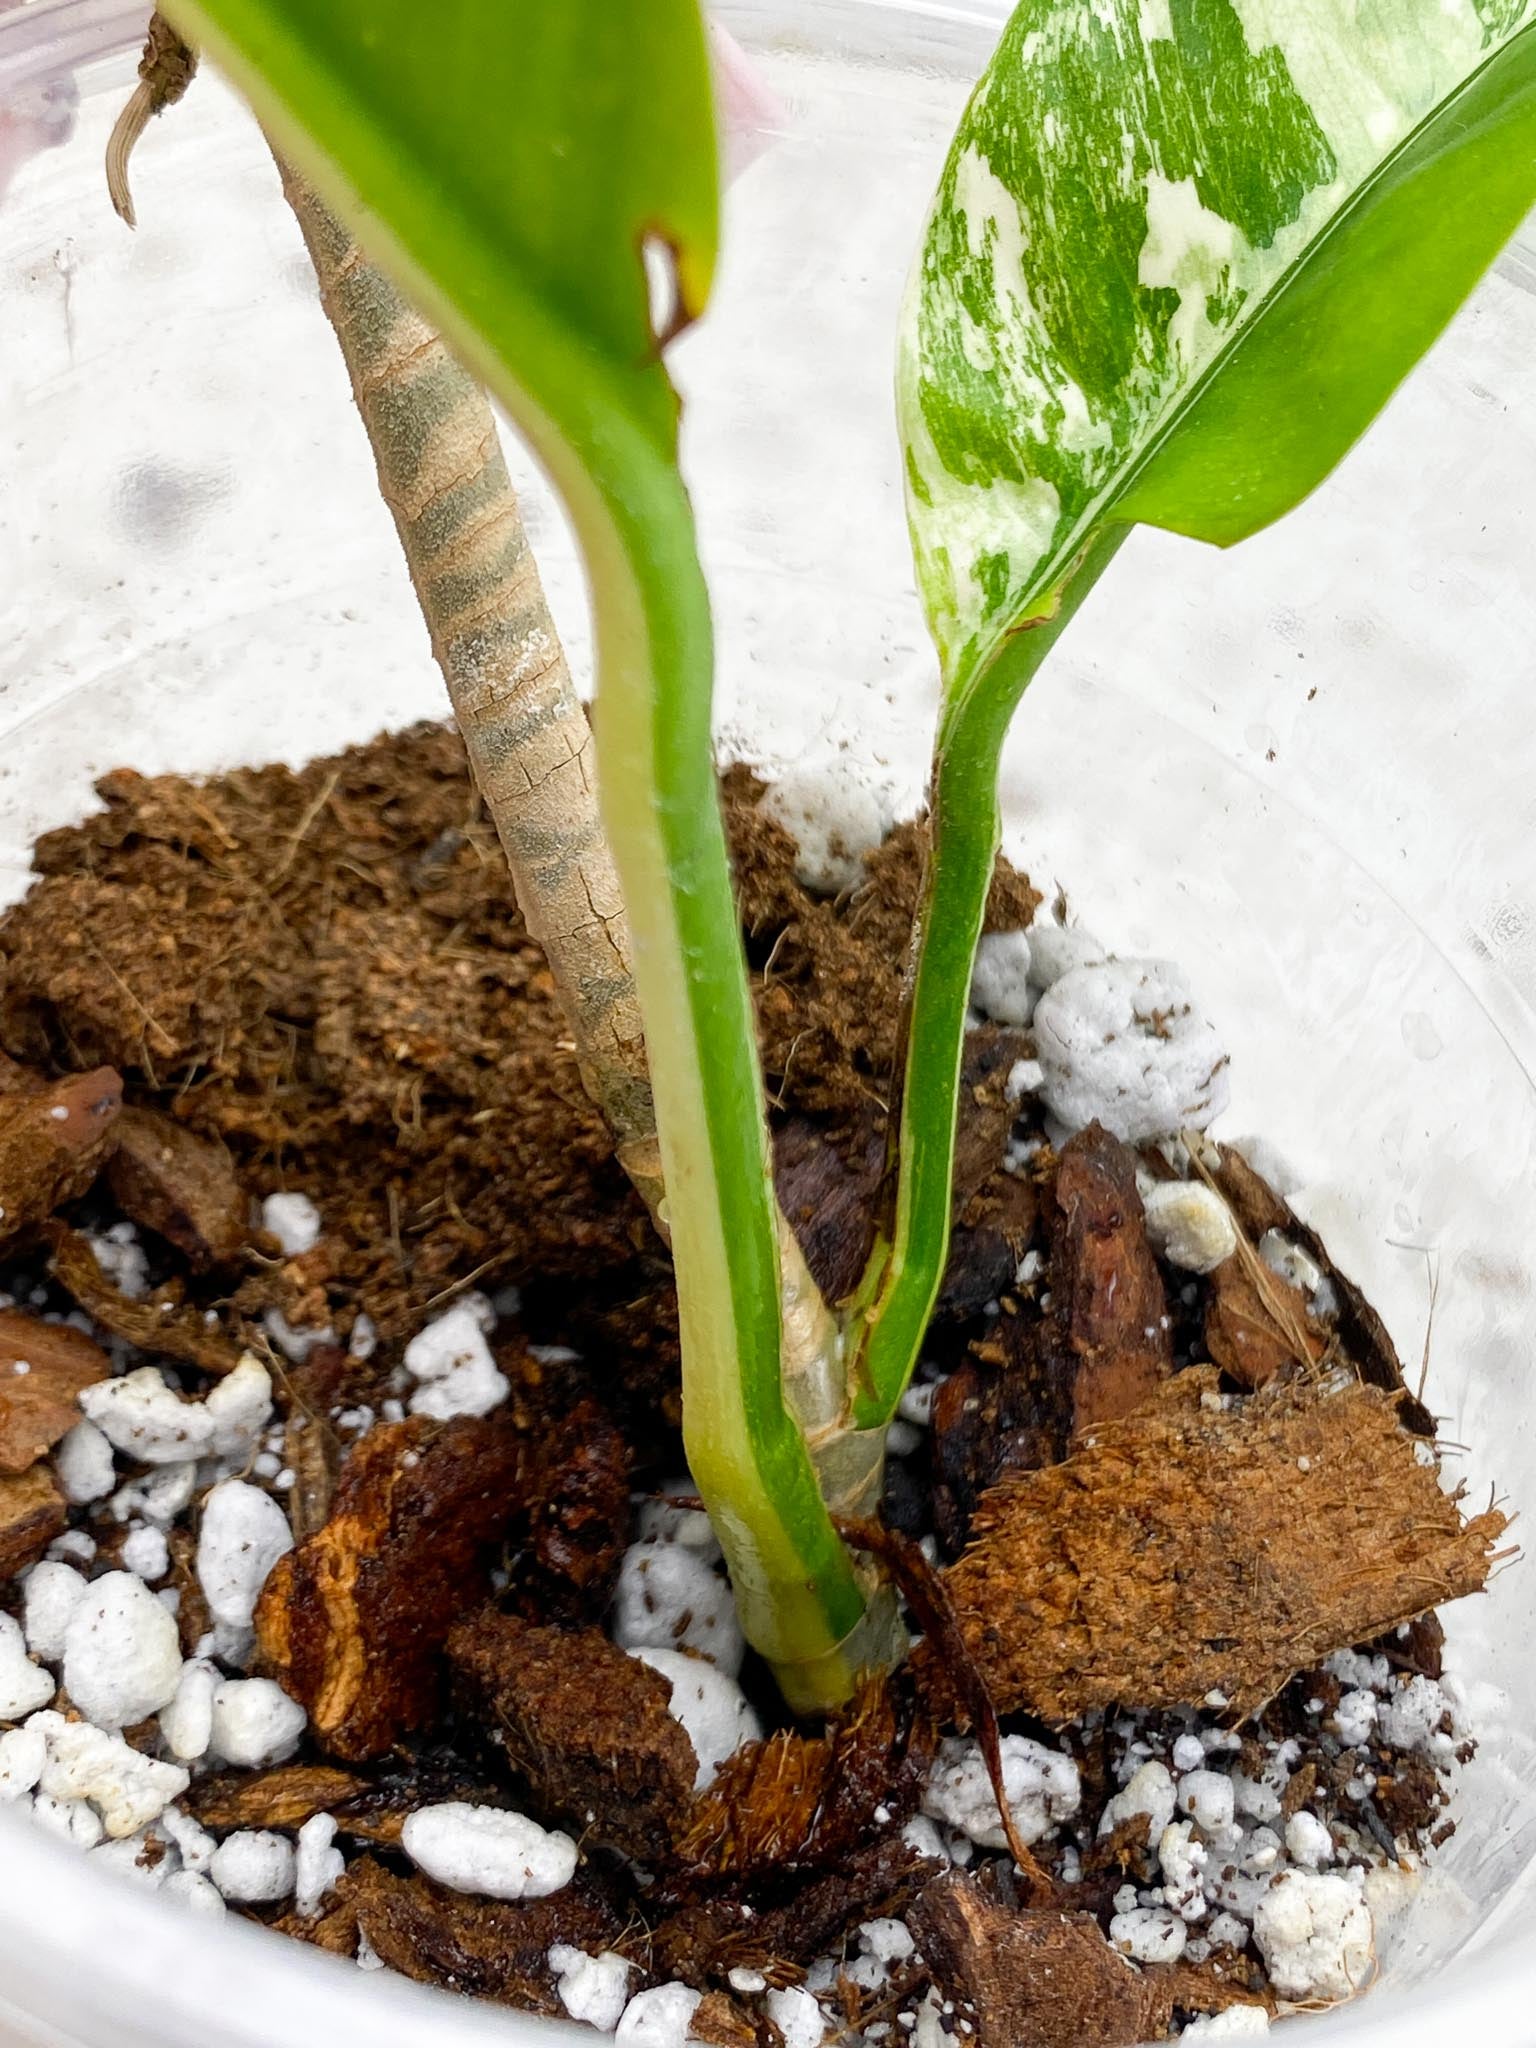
<point x="1136" y="185"/>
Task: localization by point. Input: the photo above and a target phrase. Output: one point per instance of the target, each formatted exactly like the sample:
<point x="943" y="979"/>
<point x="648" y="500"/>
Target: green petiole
<point x="906" y="1271"/>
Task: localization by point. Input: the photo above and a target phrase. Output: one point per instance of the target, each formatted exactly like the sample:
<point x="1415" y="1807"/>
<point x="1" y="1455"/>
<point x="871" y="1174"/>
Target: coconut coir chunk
<point x="1032" y="1979"/>
<point x="1257" y="1327"/>
<point x="780" y="1935"/>
<point x="54" y="1136"/>
<point x="484" y="1948"/>
<point x="1187" y="1550"/>
<point x="1043" y="1979"/>
<point x="32" y="1513"/>
<point x="1105" y="1283"/>
<point x="1102" y="1347"/>
<point x="282" y="1798"/>
<point x="352" y="1623"/>
<point x="44" y="1369"/>
<point x="796" y="1802"/>
<point x="181" y="1186"/>
<point x="585" y="1724"/>
<point x="162" y="1322"/>
<point x="578" y="1523"/>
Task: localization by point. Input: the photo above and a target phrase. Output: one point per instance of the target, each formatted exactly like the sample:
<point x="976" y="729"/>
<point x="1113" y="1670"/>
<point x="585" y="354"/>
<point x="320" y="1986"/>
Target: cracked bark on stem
<point x="444" y="478"/>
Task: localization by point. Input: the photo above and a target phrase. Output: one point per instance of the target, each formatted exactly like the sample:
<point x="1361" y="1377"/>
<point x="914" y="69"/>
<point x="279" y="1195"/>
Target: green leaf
<point x="511" y="163"/>
<point x="1182" y="253"/>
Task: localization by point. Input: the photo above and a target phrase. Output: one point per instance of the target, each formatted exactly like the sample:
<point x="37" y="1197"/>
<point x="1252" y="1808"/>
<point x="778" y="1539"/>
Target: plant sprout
<point x="1182" y="253"/>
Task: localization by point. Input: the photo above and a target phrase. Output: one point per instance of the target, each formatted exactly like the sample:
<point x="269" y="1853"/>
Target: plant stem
<point x="907" y="1267"/>
<point x="444" y="478"/>
<point x="799" y="1596"/>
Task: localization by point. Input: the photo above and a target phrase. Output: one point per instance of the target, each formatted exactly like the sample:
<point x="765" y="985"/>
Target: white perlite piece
<point x="1409" y="1718"/>
<point x="159" y="1496"/>
<point x="486" y="1850"/>
<point x="1307" y="1840"/>
<point x="138" y="1860"/>
<point x="663" y="1521"/>
<point x="712" y="1708"/>
<point x="1188" y="1753"/>
<point x="593" y="1989"/>
<point x="798" y="2017"/>
<point x="1055" y="949"/>
<point x="1237" y="2023"/>
<point x="24" y="1686"/>
<point x="144" y="1418"/>
<point x="145" y="1552"/>
<point x="1300" y="1269"/>
<point x="1000" y="978"/>
<point x="929" y="2029"/>
<point x="1208" y="1798"/>
<point x="835" y="816"/>
<point x="1354" y="1718"/>
<point x="1149" y="1934"/>
<point x="253" y="1867"/>
<point x="1122" y="1043"/>
<point x="669" y="1598"/>
<point x="70" y="1819"/>
<point x="1315" y="1935"/>
<point x="453" y="1363"/>
<point x="254" y="1722"/>
<point x="1190" y="1225"/>
<point x="23" y="1752"/>
<point x="1042" y="1785"/>
<point x="295" y="1345"/>
<point x="244" y="1532"/>
<point x="294" y="1221"/>
<point x="198" y="1894"/>
<point x="127" y="1789"/>
<point x="186" y="1725"/>
<point x="921" y="1834"/>
<point x="122" y="1654"/>
<point x="318" y="1864"/>
<point x="1183" y="1861"/>
<point x="193" y="1841"/>
<point x="660" y="2018"/>
<point x="887" y="1940"/>
<point x="122" y="1259"/>
<point x="1024" y="1078"/>
<point x="1149" y="1792"/>
<point x="82" y="1464"/>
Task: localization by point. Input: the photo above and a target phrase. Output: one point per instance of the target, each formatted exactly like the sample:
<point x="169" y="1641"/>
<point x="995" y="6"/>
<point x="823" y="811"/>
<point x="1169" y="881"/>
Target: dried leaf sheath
<point x="445" y="480"/>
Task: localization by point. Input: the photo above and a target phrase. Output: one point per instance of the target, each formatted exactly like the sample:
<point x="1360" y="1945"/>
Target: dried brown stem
<point x="444" y="478"/>
<point x="166" y="69"/>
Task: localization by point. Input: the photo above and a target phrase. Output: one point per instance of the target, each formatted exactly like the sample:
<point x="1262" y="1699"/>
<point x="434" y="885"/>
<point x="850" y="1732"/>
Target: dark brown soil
<point x="318" y="982"/>
<point x="328" y="966"/>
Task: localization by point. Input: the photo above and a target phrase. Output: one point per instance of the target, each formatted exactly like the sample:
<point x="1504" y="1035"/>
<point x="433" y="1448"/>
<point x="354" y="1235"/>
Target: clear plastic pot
<point x="1307" y="771"/>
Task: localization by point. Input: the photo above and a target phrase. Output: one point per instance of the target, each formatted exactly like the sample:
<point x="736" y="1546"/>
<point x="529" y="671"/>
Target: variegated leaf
<point x="1182" y="252"/>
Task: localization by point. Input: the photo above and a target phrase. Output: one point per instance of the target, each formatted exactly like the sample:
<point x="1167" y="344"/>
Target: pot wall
<point x="1304" y="770"/>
